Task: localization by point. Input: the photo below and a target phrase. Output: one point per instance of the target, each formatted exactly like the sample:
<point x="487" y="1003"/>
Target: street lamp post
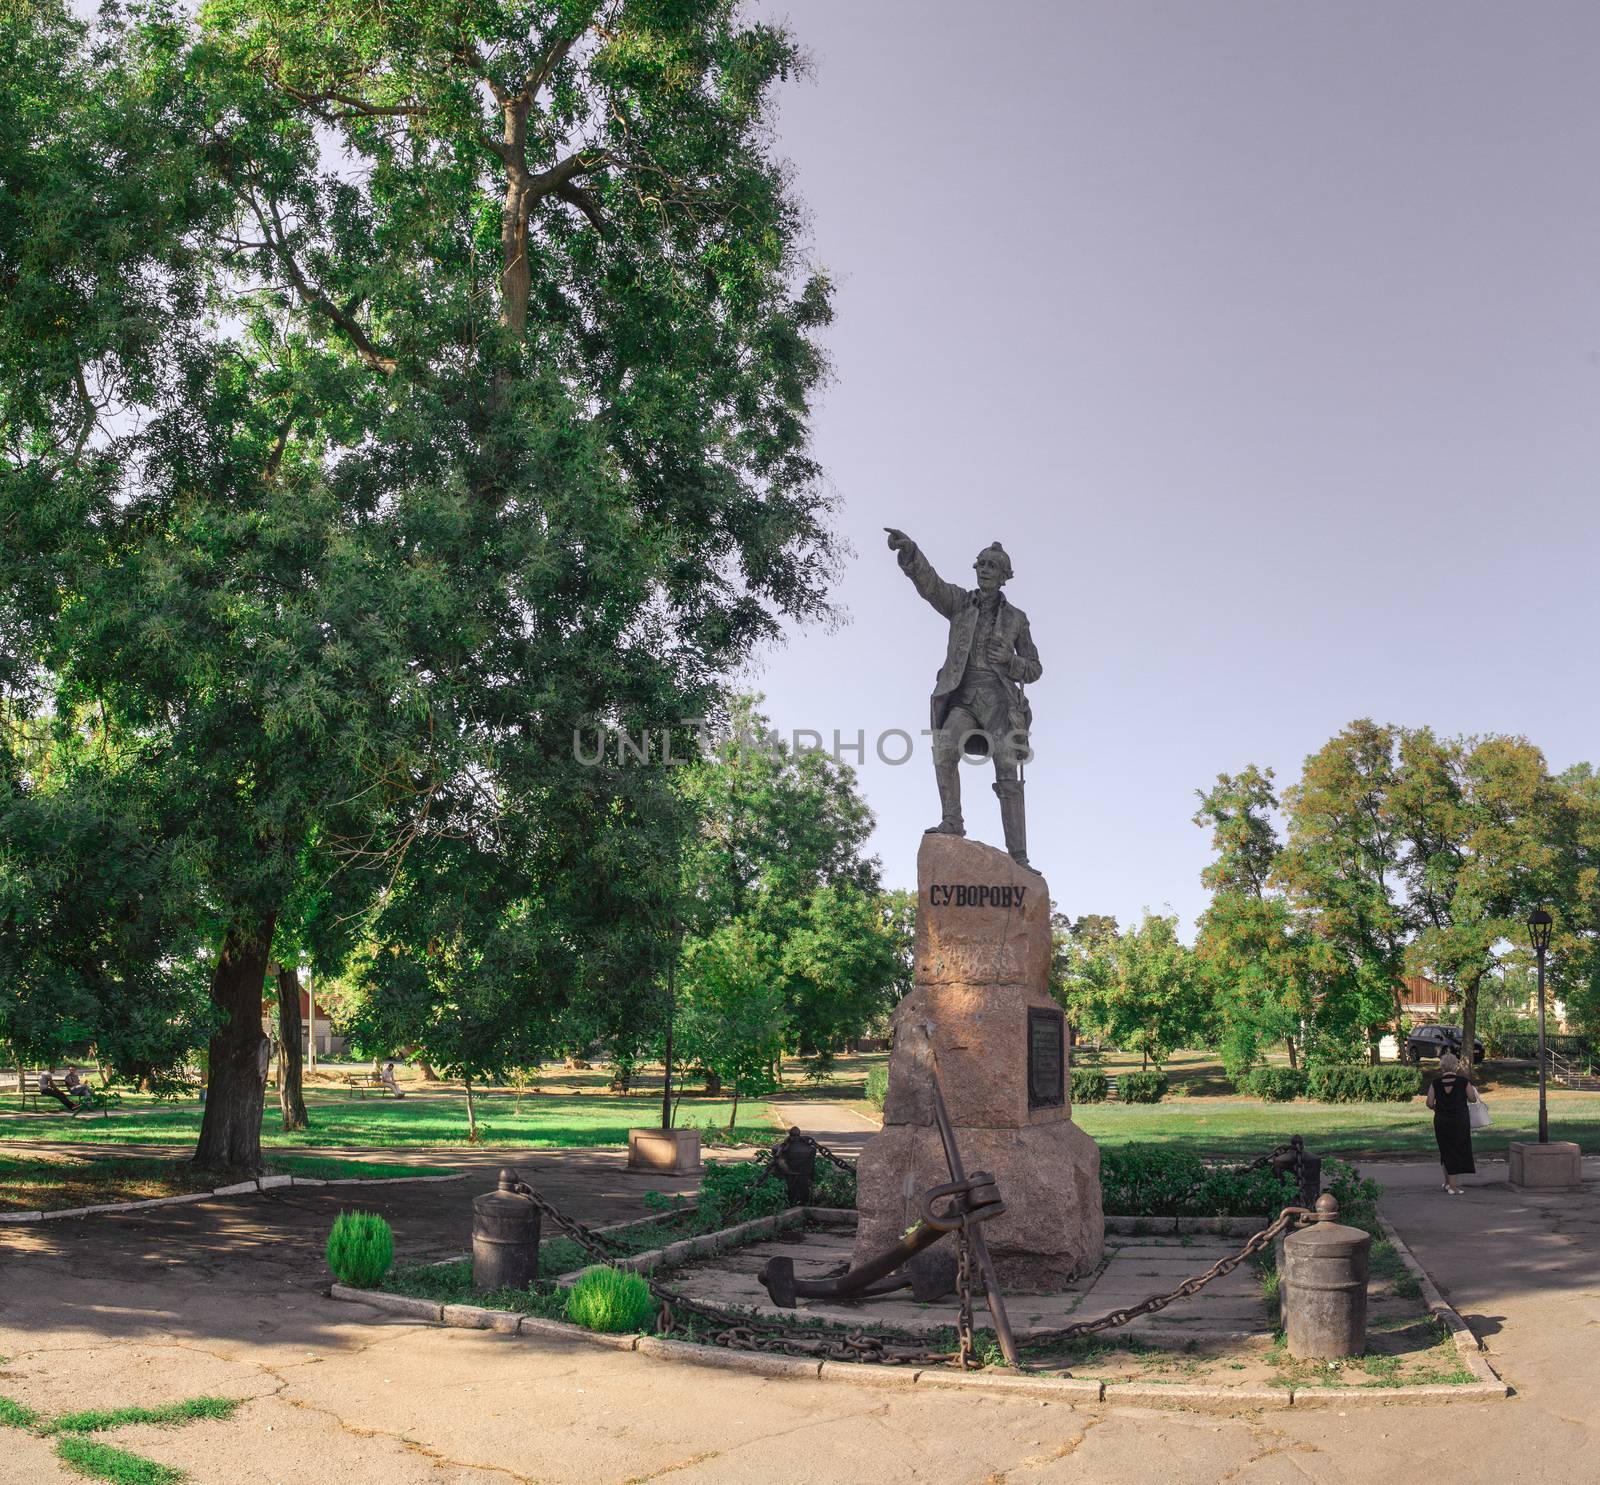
<point x="1539" y="933"/>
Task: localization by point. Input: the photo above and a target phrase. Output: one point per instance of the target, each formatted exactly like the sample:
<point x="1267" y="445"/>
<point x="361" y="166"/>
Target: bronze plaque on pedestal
<point x="1047" y="1059"/>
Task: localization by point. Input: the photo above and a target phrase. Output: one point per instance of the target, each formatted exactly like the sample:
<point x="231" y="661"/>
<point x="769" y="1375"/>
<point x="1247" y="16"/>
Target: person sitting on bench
<point x="47" y="1087"/>
<point x="387" y="1077"/>
<point x="76" y="1087"/>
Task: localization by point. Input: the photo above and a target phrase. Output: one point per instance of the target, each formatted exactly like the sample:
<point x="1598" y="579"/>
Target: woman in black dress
<point x="1448" y="1097"/>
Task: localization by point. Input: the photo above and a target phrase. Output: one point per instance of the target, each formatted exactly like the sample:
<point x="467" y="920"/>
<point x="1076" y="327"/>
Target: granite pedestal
<point x="980" y="1013"/>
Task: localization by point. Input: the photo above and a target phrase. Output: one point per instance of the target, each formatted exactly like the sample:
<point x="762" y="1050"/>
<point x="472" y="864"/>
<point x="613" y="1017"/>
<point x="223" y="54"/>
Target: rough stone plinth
<point x="1556" y="1166"/>
<point x="982" y="961"/>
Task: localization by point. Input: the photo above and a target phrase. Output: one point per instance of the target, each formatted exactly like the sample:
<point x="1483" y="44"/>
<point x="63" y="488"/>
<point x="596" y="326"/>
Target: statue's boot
<point x="949" y="781"/>
<point x="1013" y="820"/>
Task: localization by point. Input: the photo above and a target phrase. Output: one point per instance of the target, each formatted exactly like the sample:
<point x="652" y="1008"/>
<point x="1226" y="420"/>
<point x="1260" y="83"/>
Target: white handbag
<point x="1478" y="1116"/>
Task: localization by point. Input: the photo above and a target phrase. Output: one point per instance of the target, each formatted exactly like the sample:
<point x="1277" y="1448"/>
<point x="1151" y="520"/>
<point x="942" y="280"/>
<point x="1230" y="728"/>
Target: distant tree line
<point x="1397" y="851"/>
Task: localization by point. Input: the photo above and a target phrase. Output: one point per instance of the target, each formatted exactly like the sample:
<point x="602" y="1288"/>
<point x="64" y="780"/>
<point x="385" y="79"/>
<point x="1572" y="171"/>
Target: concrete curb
<point x="238" y="1188"/>
<point x="1466" y="1342"/>
<point x="1078" y="1390"/>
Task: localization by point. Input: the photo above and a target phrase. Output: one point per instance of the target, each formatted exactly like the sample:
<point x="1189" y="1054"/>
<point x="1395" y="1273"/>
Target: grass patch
<point x="1239" y="1128"/>
<point x="99" y="1420"/>
<point x="102" y="1462"/>
<point x="16" y="1415"/>
<point x="451" y="1284"/>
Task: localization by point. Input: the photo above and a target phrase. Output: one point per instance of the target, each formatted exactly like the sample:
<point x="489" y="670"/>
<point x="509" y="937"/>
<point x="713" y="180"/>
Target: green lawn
<point x="1239" y="1128"/>
<point x="429" y="1115"/>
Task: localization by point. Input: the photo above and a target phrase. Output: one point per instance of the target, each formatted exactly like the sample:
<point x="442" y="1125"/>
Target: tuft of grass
<point x="102" y="1462"/>
<point x="97" y="1420"/>
<point x="1408" y="1286"/>
<point x="16" y="1415"/>
<point x="360" y="1248"/>
<point x="1272" y="1295"/>
<point x="608" y="1299"/>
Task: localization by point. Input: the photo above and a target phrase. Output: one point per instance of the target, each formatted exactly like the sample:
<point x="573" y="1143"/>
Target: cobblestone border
<point x="238" y="1188"/>
<point x="1077" y="1390"/>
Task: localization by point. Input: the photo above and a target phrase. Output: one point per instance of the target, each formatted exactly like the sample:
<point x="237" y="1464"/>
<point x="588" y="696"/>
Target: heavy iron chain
<point x="833" y="1158"/>
<point x="1288" y="1217"/>
<point x="964" y="1300"/>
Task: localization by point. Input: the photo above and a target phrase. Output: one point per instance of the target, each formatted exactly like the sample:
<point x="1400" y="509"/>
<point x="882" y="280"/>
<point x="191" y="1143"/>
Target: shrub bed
<point x="1363" y="1083"/>
<point x="878" y="1085"/>
<point x="1144" y="1182"/>
<point x="1142" y="1087"/>
<point x="1275" y="1084"/>
<point x="1089" y="1085"/>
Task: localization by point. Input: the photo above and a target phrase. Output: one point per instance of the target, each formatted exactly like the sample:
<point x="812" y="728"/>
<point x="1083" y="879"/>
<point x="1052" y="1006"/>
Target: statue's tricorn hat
<point x="998" y="553"/>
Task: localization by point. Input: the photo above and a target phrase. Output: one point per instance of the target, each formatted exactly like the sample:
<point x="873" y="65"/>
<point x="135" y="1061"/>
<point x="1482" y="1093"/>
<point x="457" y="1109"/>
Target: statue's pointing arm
<point x="946" y="597"/>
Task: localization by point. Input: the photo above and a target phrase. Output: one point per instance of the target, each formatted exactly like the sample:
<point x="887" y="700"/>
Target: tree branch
<point x="357" y="107"/>
<point x="548" y="182"/>
<point x="358" y="337"/>
<point x="576" y="196"/>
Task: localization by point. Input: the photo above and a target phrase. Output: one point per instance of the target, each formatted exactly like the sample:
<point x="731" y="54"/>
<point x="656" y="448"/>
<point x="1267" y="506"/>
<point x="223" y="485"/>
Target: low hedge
<point x="1275" y="1084"/>
<point x="878" y="1085"/>
<point x="1142" y="1087"/>
<point x="1139" y="1181"/>
<point x="1364" y="1083"/>
<point x="1089" y="1085"/>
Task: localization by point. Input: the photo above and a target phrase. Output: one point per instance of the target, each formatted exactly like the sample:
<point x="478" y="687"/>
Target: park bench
<point x="365" y="1083"/>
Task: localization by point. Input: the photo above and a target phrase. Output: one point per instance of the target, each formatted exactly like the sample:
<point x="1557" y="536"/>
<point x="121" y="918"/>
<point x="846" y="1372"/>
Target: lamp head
<point x="1539" y="924"/>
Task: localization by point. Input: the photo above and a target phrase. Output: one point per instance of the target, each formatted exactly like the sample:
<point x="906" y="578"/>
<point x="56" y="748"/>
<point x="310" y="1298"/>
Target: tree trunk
<point x="472" y="1111"/>
<point x="713" y="1084"/>
<point x="22" y="1083"/>
<point x="291" y="1094"/>
<point x="733" y="1114"/>
<point x="230" y="1133"/>
<point x="1469" y="1023"/>
<point x="428" y="1074"/>
<point x="1288" y="1041"/>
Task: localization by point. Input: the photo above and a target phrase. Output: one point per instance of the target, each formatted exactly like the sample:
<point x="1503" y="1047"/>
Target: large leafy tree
<point x="1256" y="953"/>
<point x="1342" y="868"/>
<point x="1140" y="989"/>
<point x="780" y="845"/>
<point x="388" y="392"/>
<point x="1477" y="816"/>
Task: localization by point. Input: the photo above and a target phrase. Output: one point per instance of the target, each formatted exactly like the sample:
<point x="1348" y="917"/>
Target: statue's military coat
<point x="960" y="606"/>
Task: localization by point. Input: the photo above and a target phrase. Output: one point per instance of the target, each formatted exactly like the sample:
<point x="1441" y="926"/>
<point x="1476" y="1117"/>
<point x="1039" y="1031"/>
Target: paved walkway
<point x="224" y="1297"/>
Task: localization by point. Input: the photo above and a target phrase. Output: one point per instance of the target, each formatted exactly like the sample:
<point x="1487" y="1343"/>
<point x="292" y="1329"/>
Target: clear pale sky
<point x="1266" y="336"/>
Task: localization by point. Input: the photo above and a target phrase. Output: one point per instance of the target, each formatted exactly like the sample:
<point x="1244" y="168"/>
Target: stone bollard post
<point x="1323" y="1287"/>
<point x="505" y="1238"/>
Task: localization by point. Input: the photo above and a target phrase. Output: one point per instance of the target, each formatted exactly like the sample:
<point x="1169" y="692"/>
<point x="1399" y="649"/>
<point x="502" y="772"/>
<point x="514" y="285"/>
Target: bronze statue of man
<point x="978" y="705"/>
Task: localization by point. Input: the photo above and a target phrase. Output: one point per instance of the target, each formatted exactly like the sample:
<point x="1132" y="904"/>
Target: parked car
<point x="1430" y="1041"/>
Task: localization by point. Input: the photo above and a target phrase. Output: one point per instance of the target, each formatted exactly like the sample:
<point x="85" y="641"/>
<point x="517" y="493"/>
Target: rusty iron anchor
<point x="973" y="1199"/>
